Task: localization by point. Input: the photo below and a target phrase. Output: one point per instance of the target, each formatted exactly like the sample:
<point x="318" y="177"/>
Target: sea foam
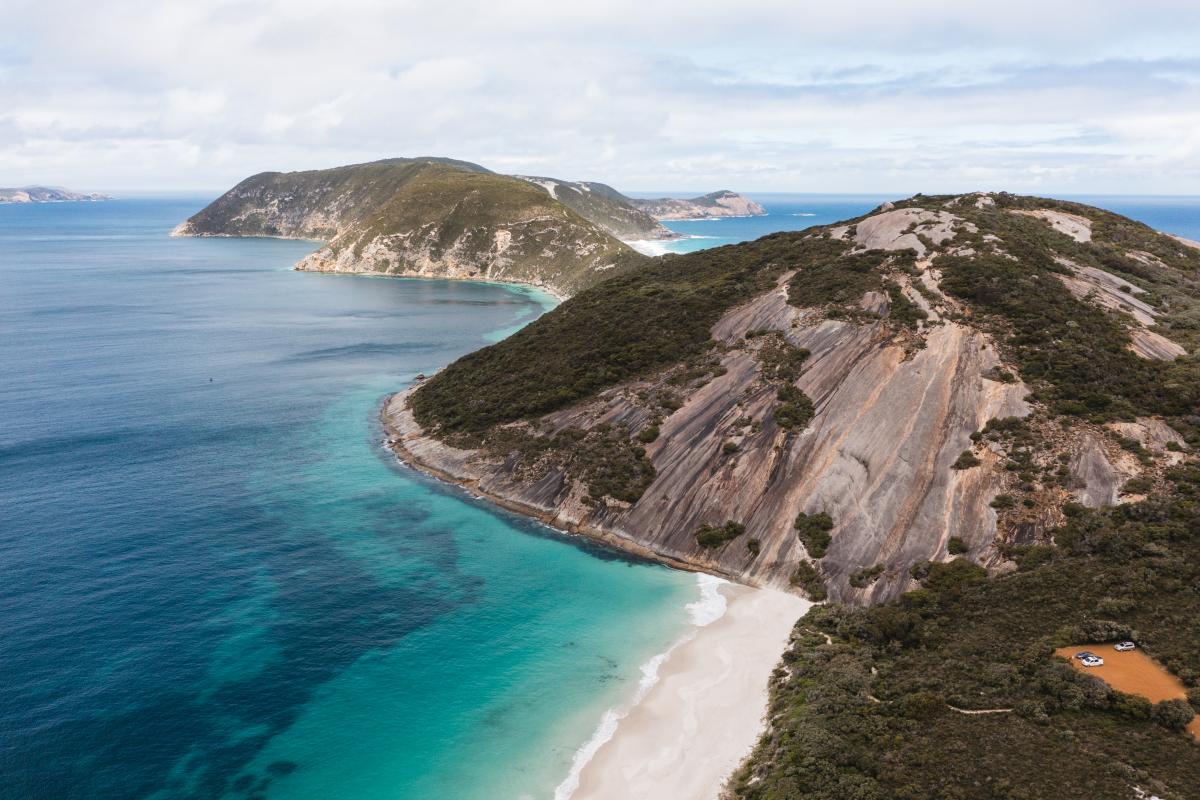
<point x="708" y="609"/>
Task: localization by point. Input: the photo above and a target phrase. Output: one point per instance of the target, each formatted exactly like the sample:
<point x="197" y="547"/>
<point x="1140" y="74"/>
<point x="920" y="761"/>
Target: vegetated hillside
<point x="421" y="217"/>
<point x="314" y="204"/>
<point x="605" y="206"/>
<point x="827" y="409"/>
<point x="48" y="194"/>
<point x="712" y="205"/>
<point x="869" y="703"/>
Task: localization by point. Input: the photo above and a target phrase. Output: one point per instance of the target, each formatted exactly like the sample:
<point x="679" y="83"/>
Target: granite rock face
<point x="877" y="456"/>
<point x="921" y="424"/>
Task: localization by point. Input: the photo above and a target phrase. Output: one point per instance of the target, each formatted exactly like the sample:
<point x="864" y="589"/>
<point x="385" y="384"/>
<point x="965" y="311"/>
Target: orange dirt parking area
<point x="1132" y="672"/>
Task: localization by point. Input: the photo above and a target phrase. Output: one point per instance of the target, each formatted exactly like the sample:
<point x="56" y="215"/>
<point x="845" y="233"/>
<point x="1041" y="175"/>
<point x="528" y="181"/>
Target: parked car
<point x="1124" y="647"/>
<point x="1082" y="654"/>
<point x="1092" y="661"/>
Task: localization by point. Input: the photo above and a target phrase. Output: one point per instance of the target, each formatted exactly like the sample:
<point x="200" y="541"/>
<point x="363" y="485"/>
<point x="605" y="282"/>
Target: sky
<point x="1039" y="96"/>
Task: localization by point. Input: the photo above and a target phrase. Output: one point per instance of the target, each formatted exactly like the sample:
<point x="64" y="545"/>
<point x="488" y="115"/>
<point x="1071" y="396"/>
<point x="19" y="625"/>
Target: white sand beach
<point x="694" y="726"/>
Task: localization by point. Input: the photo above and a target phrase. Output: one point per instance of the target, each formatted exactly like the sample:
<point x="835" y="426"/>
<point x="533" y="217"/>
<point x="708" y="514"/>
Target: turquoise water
<point x="217" y="584"/>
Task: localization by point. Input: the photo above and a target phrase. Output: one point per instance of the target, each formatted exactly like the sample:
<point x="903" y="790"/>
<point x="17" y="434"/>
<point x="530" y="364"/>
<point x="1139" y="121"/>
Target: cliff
<point x="710" y="206"/>
<point x="47" y="194"/>
<point x="827" y="410"/>
<point x="421" y="217"/>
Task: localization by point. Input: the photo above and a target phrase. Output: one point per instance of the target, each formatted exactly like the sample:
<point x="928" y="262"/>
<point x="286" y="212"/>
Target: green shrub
<point x="956" y="546"/>
<point x="966" y="460"/>
<point x="711" y="536"/>
<point x="1173" y="715"/>
<point x="814" y="532"/>
<point x="1140" y="485"/>
<point x="796" y="410"/>
<point x="808" y="579"/>
<point x="648" y="434"/>
<point x="866" y="576"/>
<point x="1003" y="501"/>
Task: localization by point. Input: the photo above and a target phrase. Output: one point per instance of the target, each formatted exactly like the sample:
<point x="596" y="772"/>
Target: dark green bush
<point x="814" y="532"/>
<point x="713" y="536"/>
<point x="808" y="579"/>
<point x="966" y="460"/>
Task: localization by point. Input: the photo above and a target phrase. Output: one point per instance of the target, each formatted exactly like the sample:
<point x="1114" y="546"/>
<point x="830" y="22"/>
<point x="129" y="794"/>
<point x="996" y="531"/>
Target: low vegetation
<point x="814" y="532"/>
<point x="629" y="326"/>
<point x="715" y="536"/>
<point x="875" y="715"/>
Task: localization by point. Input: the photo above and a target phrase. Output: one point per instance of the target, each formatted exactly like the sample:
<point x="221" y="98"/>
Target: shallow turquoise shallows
<point x="214" y="583"/>
<point x="217" y="583"/>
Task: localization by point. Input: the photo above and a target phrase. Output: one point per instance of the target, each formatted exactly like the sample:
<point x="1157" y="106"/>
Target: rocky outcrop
<point x="710" y="206"/>
<point x="1076" y="226"/>
<point x="910" y="325"/>
<point x="877" y="456"/>
<point x="47" y="194"/>
<point x="1108" y="291"/>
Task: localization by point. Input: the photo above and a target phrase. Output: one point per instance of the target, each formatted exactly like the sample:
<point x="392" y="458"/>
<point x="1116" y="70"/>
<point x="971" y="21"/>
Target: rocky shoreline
<point x="401" y="432"/>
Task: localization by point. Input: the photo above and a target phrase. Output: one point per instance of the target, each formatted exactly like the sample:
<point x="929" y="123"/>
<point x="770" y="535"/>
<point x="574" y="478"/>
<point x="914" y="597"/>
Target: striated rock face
<point x="710" y="206"/>
<point x="870" y="371"/>
<point x="877" y="456"/>
<point x="420" y="217"/>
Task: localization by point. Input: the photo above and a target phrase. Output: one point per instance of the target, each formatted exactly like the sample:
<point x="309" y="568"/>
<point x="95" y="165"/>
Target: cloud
<point x="855" y="96"/>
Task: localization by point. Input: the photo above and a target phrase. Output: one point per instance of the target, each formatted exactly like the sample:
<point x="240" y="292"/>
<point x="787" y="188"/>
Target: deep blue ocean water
<point x="215" y="583"/>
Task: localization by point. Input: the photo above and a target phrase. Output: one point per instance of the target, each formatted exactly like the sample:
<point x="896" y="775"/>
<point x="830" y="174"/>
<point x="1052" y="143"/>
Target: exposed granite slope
<point x="923" y="439"/>
<point x="876" y="457"/>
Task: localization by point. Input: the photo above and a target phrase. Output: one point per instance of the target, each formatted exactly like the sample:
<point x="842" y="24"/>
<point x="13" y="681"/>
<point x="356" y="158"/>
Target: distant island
<point x="48" y="194"/>
<point x="710" y="206"/>
<point x="444" y="218"/>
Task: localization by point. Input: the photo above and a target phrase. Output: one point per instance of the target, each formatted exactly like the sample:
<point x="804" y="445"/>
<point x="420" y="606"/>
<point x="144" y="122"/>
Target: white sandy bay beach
<point x="690" y="729"/>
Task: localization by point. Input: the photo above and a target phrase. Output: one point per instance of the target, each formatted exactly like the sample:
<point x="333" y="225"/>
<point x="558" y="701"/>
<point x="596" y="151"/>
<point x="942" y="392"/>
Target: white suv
<point x="1124" y="647"/>
<point x="1092" y="661"/>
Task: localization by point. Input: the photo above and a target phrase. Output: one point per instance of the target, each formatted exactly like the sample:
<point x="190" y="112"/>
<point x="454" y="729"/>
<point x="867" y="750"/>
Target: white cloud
<point x="853" y="96"/>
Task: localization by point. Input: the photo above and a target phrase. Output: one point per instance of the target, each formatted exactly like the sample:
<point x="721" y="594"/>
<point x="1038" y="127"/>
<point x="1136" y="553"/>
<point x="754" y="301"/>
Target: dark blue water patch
<point x="125" y="749"/>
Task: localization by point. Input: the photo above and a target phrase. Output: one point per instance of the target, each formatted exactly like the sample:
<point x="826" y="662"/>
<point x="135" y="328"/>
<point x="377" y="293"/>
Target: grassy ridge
<point x="342" y="195"/>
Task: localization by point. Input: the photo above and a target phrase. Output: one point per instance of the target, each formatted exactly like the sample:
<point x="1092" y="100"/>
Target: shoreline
<point x="394" y="439"/>
<point x="557" y="295"/>
<point x="701" y="707"/>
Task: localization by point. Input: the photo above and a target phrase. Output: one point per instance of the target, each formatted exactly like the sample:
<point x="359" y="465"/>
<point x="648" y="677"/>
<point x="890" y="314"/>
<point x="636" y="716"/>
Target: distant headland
<point x="48" y="194"/>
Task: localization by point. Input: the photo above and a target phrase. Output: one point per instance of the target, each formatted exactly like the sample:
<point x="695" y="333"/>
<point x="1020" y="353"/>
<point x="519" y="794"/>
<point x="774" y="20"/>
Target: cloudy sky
<point x="855" y="96"/>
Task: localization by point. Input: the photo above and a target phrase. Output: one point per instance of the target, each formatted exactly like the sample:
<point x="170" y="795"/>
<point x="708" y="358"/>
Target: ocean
<point x="217" y="584"/>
